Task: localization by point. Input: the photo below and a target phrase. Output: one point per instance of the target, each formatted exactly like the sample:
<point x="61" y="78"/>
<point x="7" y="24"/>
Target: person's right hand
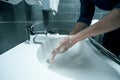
<point x="64" y="45"/>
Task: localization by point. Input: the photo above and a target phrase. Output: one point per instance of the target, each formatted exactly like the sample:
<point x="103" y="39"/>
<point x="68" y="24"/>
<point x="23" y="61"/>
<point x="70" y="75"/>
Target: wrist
<point x="73" y="39"/>
<point x="78" y="37"/>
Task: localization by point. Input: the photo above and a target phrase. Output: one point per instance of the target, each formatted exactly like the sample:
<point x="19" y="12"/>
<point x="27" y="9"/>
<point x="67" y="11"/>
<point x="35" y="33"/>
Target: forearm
<point x="109" y="23"/>
<point x="78" y="27"/>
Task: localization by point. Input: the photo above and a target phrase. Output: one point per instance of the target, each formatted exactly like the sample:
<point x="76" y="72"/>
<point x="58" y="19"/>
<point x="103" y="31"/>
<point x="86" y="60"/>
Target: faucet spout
<point x="34" y="32"/>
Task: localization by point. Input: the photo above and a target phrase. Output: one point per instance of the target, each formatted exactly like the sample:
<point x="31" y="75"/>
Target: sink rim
<point x="55" y="37"/>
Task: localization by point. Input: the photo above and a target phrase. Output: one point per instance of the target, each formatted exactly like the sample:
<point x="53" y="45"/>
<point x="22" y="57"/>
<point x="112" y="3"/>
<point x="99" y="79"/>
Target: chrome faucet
<point x="33" y="34"/>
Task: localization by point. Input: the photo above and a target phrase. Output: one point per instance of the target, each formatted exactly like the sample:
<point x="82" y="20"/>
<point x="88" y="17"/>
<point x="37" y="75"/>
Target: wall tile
<point x="11" y="35"/>
<point x="69" y="1"/>
<point x="97" y="16"/>
<point x="6" y="12"/>
<point x="19" y="12"/>
<point x="63" y="17"/>
<point x="67" y="8"/>
<point x="12" y="26"/>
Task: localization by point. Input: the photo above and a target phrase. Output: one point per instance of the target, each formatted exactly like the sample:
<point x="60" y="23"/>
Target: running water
<point x="81" y="60"/>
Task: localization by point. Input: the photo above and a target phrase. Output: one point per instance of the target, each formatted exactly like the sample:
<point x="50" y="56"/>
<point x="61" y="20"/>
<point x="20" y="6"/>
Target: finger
<point x="65" y="49"/>
<point x="54" y="53"/>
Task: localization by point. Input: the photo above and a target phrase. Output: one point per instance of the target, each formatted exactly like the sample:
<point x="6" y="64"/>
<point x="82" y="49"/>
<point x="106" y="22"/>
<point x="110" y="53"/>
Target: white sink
<point x="79" y="63"/>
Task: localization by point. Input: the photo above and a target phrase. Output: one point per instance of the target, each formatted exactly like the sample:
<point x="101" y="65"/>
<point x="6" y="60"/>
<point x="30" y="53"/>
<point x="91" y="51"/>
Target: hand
<point x="64" y="45"/>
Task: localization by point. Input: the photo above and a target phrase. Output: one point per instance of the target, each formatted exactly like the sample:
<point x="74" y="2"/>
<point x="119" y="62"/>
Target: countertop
<point x="21" y="63"/>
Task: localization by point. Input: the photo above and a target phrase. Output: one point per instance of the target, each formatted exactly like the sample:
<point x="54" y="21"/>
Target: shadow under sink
<point x="79" y="63"/>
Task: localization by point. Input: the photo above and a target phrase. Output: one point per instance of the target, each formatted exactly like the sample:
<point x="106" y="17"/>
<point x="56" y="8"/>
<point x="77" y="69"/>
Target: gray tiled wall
<point x="68" y="13"/>
<point x="65" y="19"/>
<point x="23" y="14"/>
<point x="12" y="25"/>
<point x="63" y="22"/>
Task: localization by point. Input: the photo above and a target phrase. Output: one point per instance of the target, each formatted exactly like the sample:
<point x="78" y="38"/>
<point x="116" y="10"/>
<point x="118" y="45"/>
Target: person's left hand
<point x="64" y="45"/>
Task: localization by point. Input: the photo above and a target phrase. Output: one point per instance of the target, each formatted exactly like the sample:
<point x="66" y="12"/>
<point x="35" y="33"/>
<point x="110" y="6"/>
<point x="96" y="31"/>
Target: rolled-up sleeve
<point x="87" y="9"/>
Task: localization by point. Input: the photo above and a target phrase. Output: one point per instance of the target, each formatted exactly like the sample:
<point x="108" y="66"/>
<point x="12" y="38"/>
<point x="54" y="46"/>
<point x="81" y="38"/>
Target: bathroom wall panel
<point x="12" y="26"/>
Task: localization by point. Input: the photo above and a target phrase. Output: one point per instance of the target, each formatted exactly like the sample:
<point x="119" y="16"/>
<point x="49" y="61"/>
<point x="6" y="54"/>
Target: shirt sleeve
<point x="86" y="11"/>
<point x="117" y="5"/>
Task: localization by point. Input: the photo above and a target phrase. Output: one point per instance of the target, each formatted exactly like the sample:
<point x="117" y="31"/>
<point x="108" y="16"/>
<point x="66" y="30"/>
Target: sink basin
<point x="79" y="63"/>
